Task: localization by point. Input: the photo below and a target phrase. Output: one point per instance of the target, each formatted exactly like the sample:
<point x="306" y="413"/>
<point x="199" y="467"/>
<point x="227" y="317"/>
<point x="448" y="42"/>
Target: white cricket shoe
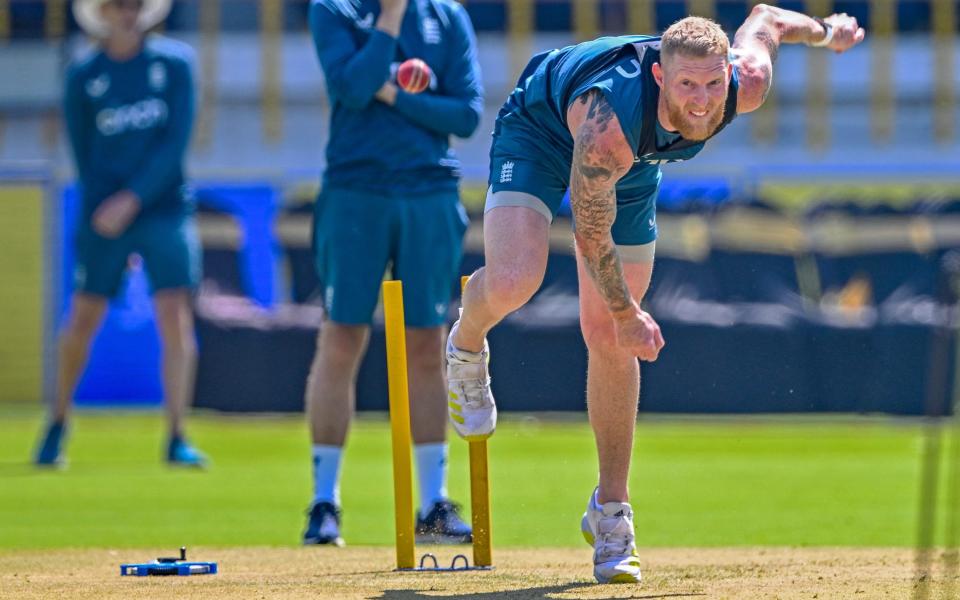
<point x="609" y="529"/>
<point x="470" y="403"/>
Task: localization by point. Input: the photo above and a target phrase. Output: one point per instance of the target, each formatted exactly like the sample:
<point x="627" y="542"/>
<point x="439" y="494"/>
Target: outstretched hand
<point x="847" y="33"/>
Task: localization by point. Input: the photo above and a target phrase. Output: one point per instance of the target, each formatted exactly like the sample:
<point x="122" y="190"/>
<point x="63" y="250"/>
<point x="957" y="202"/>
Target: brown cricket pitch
<point x="533" y="573"/>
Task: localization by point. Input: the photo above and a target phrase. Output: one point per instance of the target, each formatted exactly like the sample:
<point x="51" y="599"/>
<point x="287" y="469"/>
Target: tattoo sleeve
<point x="593" y="177"/>
<point x="765" y="39"/>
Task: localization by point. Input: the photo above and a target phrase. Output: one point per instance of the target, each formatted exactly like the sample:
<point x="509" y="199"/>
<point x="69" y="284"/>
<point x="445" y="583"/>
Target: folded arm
<point x="458" y="107"/>
<point x="353" y="73"/>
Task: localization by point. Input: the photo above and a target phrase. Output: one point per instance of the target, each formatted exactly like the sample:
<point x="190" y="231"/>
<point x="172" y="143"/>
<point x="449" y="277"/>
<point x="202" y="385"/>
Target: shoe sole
<point x="456" y="420"/>
<point x="618" y="578"/>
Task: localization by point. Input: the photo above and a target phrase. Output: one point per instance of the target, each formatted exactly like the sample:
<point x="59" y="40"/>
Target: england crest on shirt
<point x="157" y="76"/>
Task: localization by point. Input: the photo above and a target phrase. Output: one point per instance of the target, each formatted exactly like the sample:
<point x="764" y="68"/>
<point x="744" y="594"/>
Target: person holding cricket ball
<point x="402" y="77"/>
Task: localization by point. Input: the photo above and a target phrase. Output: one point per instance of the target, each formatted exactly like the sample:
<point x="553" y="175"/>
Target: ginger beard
<point x="693" y="92"/>
<point x="692" y="122"/>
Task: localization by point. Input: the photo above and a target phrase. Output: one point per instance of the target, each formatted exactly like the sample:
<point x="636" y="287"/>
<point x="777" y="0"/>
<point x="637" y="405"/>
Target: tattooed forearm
<point x="770" y="26"/>
<point x="593" y="177"/>
<point x="605" y="268"/>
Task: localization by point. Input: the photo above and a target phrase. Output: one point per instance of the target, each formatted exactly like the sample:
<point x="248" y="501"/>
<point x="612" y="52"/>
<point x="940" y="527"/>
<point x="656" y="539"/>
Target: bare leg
<point x="331" y="387"/>
<point x="86" y="316"/>
<point x="516" y="244"/>
<point x="428" y="391"/>
<point x="613" y="381"/>
<point x="175" y="323"/>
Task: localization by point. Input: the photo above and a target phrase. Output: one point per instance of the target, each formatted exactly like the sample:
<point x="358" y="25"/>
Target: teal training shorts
<point x="359" y="235"/>
<point x="168" y="244"/>
<point x="518" y="163"/>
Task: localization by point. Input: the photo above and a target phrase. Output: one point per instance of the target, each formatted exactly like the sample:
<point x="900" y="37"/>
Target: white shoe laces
<point x="614" y="538"/>
<point x="474" y="382"/>
<point x="475" y="394"/>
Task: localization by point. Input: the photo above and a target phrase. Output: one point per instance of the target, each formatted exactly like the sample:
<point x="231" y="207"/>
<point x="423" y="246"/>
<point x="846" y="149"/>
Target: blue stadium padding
<point x="124" y="367"/>
<point x="255" y="206"/>
<point x="754" y="276"/>
<point x="723" y="359"/>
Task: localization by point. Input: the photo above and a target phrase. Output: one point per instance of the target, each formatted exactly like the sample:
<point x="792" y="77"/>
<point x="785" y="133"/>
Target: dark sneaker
<point x="443" y="525"/>
<point x="182" y="454"/>
<point x="323" y="527"/>
<point x="49" y="454"/>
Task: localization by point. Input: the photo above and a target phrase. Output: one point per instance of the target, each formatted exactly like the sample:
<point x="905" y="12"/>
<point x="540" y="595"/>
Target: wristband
<point x="827" y="34"/>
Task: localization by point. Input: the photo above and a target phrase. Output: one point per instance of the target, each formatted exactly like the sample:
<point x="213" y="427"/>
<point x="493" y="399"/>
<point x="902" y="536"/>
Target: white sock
<point x="461" y="355"/>
<point x="432" y="473"/>
<point x="326" y="473"/>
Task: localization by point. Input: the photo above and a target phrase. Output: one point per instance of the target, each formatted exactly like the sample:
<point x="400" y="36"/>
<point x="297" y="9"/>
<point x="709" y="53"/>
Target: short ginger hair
<point x="696" y="37"/>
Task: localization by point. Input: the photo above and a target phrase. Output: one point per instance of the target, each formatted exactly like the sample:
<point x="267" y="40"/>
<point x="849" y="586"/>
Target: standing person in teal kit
<point x="129" y="110"/>
<point x="600" y="117"/>
<point x="389" y="200"/>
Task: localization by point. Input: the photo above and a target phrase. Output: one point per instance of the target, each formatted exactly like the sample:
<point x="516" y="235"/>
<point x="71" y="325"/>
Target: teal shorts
<point x="168" y="244"/>
<point x="359" y="235"/>
<point x="520" y="163"/>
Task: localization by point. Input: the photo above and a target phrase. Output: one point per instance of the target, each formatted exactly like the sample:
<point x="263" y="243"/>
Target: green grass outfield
<point x="696" y="482"/>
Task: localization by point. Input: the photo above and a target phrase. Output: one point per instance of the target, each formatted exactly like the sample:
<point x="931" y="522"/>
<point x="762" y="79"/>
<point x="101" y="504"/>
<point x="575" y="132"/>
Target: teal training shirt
<point x="129" y="125"/>
<point x="535" y="114"/>
<point x="403" y="148"/>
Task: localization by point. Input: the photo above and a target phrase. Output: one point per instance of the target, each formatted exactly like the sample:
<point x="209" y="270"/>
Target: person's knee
<point x="179" y="345"/>
<point x="85" y="318"/>
<point x="342" y="345"/>
<point x="81" y="327"/>
<point x="178" y="341"/>
<point x="425" y="349"/>
<point x="600" y="336"/>
<point x="175" y="322"/>
<point x="511" y="287"/>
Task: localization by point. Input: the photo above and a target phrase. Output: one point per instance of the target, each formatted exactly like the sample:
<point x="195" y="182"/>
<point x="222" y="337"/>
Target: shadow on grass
<point x="536" y="593"/>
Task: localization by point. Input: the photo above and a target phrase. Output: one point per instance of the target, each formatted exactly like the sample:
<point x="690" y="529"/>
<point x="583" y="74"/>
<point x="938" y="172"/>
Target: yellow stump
<point x="399" y="421"/>
<point x="480" y="504"/>
<point x="479" y="496"/>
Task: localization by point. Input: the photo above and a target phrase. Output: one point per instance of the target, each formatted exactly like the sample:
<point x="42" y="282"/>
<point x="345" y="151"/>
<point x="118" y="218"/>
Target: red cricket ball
<point x="413" y="76"/>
